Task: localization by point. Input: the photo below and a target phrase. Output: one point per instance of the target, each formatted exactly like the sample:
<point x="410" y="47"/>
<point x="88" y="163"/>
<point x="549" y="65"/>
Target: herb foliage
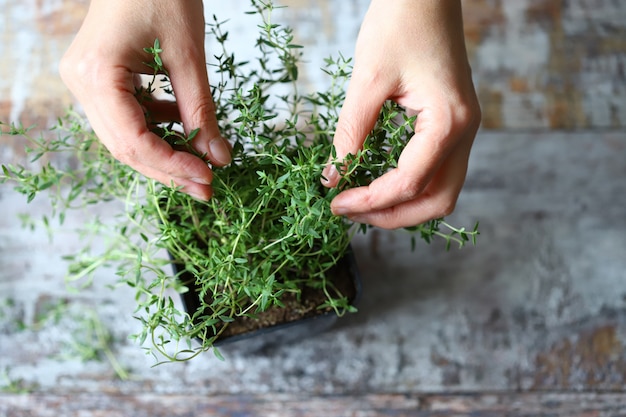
<point x="270" y="215"/>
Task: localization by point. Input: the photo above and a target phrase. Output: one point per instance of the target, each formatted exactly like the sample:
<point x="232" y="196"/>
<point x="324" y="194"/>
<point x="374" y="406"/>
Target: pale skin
<point x="419" y="61"/>
<point x="409" y="51"/>
<point x="100" y="68"/>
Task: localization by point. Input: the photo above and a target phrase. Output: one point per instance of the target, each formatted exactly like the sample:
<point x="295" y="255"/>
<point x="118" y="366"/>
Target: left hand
<point x="101" y="68"/>
<point x="412" y="52"/>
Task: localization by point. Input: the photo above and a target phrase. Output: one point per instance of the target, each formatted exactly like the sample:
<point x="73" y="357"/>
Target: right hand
<point x="100" y="68"/>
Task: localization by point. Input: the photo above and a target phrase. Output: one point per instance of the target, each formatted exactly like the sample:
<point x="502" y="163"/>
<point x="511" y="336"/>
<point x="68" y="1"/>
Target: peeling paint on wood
<point x="33" y="36"/>
<point x="537" y="64"/>
<point x="540" y="304"/>
<point x="593" y="357"/>
<point x="281" y="405"/>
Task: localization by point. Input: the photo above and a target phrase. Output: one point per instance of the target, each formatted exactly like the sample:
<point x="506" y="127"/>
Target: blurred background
<point x="532" y="318"/>
<point x="538" y="64"/>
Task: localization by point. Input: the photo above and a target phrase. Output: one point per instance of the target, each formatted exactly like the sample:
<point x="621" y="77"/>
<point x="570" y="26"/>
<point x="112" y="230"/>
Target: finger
<point x="195" y="189"/>
<point x="130" y="141"/>
<point x="364" y="99"/>
<point x="197" y="110"/>
<point x="166" y="162"/>
<point x="153" y="157"/>
<point x="437" y="200"/>
<point x="420" y="159"/>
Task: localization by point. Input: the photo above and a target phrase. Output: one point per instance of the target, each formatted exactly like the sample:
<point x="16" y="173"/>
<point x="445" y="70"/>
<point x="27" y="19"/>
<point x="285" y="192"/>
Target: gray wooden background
<point x="530" y="322"/>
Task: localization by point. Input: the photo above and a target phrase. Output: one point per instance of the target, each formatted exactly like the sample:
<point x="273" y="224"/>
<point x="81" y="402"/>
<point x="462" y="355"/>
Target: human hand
<point x="412" y="52"/>
<point x="102" y="65"/>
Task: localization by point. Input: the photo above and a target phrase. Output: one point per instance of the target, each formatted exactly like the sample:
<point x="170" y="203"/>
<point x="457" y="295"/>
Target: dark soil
<point x="295" y="308"/>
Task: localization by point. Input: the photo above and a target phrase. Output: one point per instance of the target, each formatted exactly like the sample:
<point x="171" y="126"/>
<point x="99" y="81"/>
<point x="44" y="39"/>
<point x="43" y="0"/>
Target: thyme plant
<point x="268" y="230"/>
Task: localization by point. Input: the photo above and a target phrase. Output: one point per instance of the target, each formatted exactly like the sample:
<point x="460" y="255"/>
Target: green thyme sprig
<point x="269" y="216"/>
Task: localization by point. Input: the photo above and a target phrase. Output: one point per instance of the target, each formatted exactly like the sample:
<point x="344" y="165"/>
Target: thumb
<point x="190" y="83"/>
<point x="357" y="118"/>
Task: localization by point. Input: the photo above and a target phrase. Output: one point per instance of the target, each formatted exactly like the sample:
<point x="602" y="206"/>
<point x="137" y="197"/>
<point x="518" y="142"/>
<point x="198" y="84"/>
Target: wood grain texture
<point x="531" y="323"/>
<point x="540" y="303"/>
<point x="281" y="405"/>
<point x="549" y="64"/>
<point x="537" y="64"/>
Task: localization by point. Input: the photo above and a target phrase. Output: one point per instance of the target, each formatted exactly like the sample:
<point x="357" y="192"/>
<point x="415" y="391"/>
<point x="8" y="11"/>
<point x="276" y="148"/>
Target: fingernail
<point x="198" y="196"/>
<point x="357" y="219"/>
<point x="340" y="209"/>
<point x="220" y="151"/>
<point x="330" y="174"/>
<point x="202" y="181"/>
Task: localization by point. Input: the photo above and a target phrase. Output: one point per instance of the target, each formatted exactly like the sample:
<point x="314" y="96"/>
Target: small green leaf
<point x="218" y="354"/>
<point x="193" y="134"/>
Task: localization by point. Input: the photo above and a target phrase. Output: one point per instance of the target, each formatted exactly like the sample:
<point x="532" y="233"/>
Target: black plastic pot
<point x="283" y="332"/>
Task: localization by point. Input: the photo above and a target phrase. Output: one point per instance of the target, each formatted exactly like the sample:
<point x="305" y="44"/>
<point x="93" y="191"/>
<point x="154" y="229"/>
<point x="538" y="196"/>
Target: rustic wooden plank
<point x="538" y="304"/>
<point x="282" y="405"/>
<point x="548" y="64"/>
<point x="536" y="64"/>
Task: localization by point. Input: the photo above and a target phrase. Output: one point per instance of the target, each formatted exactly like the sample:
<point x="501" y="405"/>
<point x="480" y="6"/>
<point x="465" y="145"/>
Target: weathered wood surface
<point x="281" y="405"/>
<point x="540" y="303"/>
<point x="537" y="63"/>
<point x="536" y="314"/>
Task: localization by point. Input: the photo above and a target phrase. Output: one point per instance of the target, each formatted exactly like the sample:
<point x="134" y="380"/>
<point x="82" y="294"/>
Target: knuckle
<point x="371" y="202"/>
<point x="464" y="114"/>
<point x="184" y="165"/>
<point x="127" y="155"/>
<point x="203" y="110"/>
<point x="370" y="77"/>
<point x="393" y="218"/>
<point x="127" y="152"/>
<point x="346" y="138"/>
<point x="467" y="113"/>
<point x="409" y="189"/>
<point x="66" y="67"/>
<point x="73" y="68"/>
<point x="176" y="167"/>
<point x="445" y="207"/>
